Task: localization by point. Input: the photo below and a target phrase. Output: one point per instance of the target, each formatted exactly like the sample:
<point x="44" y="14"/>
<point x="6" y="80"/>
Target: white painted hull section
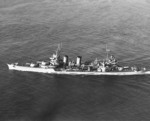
<point x="31" y="69"/>
<point x="52" y="71"/>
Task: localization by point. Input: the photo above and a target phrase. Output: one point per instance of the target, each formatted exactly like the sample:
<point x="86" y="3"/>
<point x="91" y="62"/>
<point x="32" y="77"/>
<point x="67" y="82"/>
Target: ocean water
<point x="29" y="33"/>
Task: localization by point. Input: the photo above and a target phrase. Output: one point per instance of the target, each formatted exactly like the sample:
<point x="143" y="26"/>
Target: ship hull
<point x="104" y="73"/>
<point x="31" y="69"/>
<point x="52" y="71"/>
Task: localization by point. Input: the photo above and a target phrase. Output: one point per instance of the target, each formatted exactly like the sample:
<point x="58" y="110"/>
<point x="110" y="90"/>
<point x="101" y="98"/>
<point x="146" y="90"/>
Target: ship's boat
<point x="56" y="65"/>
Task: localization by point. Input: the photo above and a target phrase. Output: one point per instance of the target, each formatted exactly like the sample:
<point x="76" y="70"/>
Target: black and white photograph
<point x="74" y="60"/>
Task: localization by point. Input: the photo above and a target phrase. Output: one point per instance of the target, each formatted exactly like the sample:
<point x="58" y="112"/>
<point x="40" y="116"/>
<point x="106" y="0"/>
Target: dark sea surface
<point x="31" y="30"/>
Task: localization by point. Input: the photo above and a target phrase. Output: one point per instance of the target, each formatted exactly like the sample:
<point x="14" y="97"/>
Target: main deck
<point x="66" y="72"/>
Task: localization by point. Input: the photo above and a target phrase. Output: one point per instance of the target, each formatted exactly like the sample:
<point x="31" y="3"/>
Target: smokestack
<point x="78" y="61"/>
<point x="65" y="60"/>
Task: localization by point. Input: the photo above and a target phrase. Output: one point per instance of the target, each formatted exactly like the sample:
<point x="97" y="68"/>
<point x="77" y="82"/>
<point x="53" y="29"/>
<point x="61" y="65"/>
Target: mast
<point x="58" y="49"/>
<point x="107" y="51"/>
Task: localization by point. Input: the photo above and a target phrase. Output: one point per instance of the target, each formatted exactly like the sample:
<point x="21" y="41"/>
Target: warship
<point x="62" y="65"/>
